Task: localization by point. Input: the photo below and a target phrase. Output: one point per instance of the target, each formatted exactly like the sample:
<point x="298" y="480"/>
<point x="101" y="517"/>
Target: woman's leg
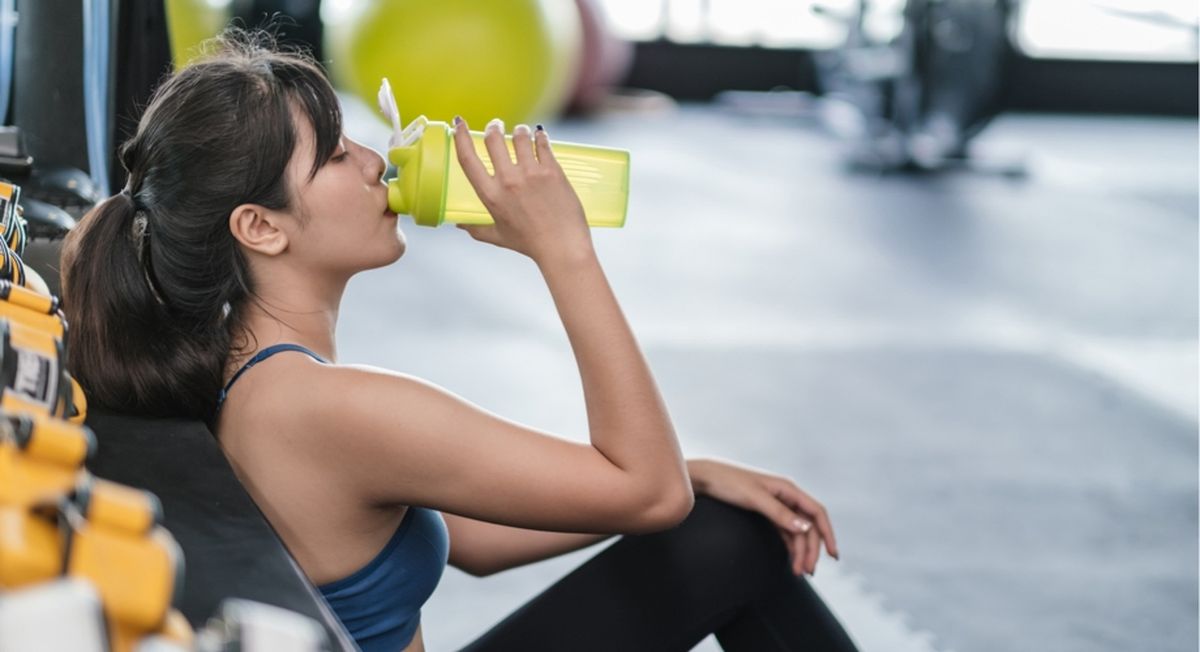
<point x="724" y="570"/>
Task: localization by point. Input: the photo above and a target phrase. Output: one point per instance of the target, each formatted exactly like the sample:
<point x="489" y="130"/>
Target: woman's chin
<point x="401" y="244"/>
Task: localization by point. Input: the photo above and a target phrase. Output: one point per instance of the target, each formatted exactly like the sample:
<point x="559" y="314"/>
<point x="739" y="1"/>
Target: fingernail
<point x="457" y="120"/>
<point x="541" y="128"/>
<point x="496" y="122"/>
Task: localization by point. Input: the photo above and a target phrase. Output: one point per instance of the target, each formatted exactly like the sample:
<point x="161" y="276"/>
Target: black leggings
<point x="722" y="571"/>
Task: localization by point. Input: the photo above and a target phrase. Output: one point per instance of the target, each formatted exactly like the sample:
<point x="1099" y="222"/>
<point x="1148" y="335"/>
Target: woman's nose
<point x="377" y="163"/>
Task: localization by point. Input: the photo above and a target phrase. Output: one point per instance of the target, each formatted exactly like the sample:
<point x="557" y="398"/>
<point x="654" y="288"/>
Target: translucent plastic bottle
<point x="431" y="186"/>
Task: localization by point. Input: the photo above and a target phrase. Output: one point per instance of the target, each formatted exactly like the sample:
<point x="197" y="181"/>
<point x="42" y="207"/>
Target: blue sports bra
<point x="380" y="604"/>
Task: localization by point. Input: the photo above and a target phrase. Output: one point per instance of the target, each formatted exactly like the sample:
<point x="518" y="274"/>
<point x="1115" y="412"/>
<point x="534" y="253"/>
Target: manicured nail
<point x="497" y="123"/>
<point x="457" y="120"/>
<point x="541" y="128"/>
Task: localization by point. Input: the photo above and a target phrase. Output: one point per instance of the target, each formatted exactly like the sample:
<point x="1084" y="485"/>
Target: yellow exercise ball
<point x="191" y="22"/>
<point x="481" y="59"/>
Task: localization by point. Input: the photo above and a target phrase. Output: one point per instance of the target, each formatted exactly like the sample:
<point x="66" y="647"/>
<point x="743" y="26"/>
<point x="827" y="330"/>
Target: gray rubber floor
<point x="991" y="383"/>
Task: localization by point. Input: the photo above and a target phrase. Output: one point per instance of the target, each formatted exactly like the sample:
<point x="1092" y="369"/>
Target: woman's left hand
<point x="801" y="521"/>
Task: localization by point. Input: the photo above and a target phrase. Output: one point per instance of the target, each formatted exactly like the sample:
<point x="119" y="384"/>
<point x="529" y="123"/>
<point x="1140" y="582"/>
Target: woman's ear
<point x="258" y="229"/>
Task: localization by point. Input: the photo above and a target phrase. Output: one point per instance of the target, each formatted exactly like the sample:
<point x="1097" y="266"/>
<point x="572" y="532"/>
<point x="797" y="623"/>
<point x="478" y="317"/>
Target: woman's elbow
<point x="476" y="568"/>
<point x="669" y="509"/>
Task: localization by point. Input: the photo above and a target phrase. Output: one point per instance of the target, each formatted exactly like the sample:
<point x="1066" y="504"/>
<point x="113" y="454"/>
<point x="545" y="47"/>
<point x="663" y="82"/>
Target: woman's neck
<point x="300" y="314"/>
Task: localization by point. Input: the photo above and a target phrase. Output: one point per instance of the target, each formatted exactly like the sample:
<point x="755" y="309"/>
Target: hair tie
<point x="140" y="234"/>
<point x="141" y="229"/>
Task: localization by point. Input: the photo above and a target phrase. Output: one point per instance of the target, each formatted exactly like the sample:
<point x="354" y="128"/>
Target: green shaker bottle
<point x="432" y="188"/>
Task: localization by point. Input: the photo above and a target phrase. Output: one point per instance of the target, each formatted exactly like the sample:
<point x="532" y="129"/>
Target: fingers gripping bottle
<point x="431" y="186"/>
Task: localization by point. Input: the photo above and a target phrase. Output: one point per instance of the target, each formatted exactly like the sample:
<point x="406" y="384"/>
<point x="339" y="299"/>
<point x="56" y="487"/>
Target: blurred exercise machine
<point x="913" y="84"/>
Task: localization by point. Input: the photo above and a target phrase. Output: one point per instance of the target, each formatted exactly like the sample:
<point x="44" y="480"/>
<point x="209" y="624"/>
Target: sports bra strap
<point x="259" y="357"/>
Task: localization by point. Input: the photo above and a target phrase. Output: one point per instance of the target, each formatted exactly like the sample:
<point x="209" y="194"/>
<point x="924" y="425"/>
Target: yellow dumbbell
<point x="31" y="547"/>
<point x="40" y="458"/>
<point x="135" y="564"/>
<point x="41" y="461"/>
<point x="32" y="376"/>
<point x="31" y="308"/>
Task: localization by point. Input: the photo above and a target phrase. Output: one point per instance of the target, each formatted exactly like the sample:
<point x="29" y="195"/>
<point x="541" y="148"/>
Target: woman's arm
<point x="481" y="548"/>
<point x="393" y="439"/>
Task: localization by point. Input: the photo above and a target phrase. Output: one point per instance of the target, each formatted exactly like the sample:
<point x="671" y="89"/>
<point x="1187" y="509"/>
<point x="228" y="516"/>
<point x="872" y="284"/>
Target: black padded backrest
<point x="229" y="548"/>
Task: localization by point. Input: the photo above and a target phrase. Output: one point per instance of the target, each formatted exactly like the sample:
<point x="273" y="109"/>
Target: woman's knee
<point x="731" y="544"/>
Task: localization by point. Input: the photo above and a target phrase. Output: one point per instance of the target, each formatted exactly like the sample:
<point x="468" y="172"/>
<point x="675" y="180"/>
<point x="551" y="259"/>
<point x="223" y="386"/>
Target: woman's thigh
<point x="661" y="592"/>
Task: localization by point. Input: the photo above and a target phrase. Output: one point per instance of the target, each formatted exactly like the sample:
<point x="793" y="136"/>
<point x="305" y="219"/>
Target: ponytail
<point x="127" y="349"/>
<point x="154" y="283"/>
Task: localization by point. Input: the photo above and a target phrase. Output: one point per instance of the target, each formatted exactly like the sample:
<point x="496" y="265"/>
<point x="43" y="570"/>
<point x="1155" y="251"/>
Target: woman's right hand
<point x="535" y="209"/>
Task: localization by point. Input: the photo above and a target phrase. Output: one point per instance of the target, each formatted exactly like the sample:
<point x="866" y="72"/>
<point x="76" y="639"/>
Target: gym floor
<point x="991" y="383"/>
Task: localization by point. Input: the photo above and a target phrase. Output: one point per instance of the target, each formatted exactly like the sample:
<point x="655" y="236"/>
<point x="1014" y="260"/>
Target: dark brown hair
<point x="153" y="282"/>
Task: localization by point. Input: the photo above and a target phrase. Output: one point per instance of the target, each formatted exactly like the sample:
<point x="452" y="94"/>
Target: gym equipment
<point x="34" y="378"/>
<point x="97" y="89"/>
<point x="40" y="463"/>
<point x="12" y="225"/>
<point x="13" y="158"/>
<point x="32" y="309"/>
<point x="513" y="60"/>
<point x="12" y="268"/>
<point x="432" y="187"/>
<point x="63" y="187"/>
<point x="56" y="520"/>
<point x="256" y="627"/>
<point x="48" y="69"/>
<point x="45" y="221"/>
<point x="47" y="192"/>
<point x="8" y="30"/>
<point x="116" y="543"/>
<point x="67" y="614"/>
<point x="41" y="459"/>
<point x="60" y="615"/>
<point x="231" y="550"/>
<point x="913" y="97"/>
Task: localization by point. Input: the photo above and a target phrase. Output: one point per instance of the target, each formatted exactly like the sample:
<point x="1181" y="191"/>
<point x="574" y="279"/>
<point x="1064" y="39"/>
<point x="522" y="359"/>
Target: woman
<point x="210" y="288"/>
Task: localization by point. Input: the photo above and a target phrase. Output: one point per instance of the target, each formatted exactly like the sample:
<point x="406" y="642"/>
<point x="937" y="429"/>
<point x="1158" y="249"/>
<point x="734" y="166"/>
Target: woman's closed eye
<point x="342" y="153"/>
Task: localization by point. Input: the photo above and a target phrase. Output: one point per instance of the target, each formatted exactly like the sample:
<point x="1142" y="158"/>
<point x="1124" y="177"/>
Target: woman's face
<point x="344" y="224"/>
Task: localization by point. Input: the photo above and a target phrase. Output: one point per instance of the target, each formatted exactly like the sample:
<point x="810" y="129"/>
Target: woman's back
<point x="376" y="588"/>
<point x="291" y="470"/>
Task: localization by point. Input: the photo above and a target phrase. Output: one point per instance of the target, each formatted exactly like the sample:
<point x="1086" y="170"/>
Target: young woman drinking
<point x="210" y="288"/>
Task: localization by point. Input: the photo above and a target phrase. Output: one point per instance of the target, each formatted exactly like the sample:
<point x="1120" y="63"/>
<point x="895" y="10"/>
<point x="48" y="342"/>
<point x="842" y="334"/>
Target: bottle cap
<point x="421" y="153"/>
<point x="419" y="188"/>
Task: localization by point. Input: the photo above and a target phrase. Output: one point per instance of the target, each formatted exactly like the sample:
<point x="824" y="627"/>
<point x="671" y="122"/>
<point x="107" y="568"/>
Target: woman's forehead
<point x="303" y="162"/>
